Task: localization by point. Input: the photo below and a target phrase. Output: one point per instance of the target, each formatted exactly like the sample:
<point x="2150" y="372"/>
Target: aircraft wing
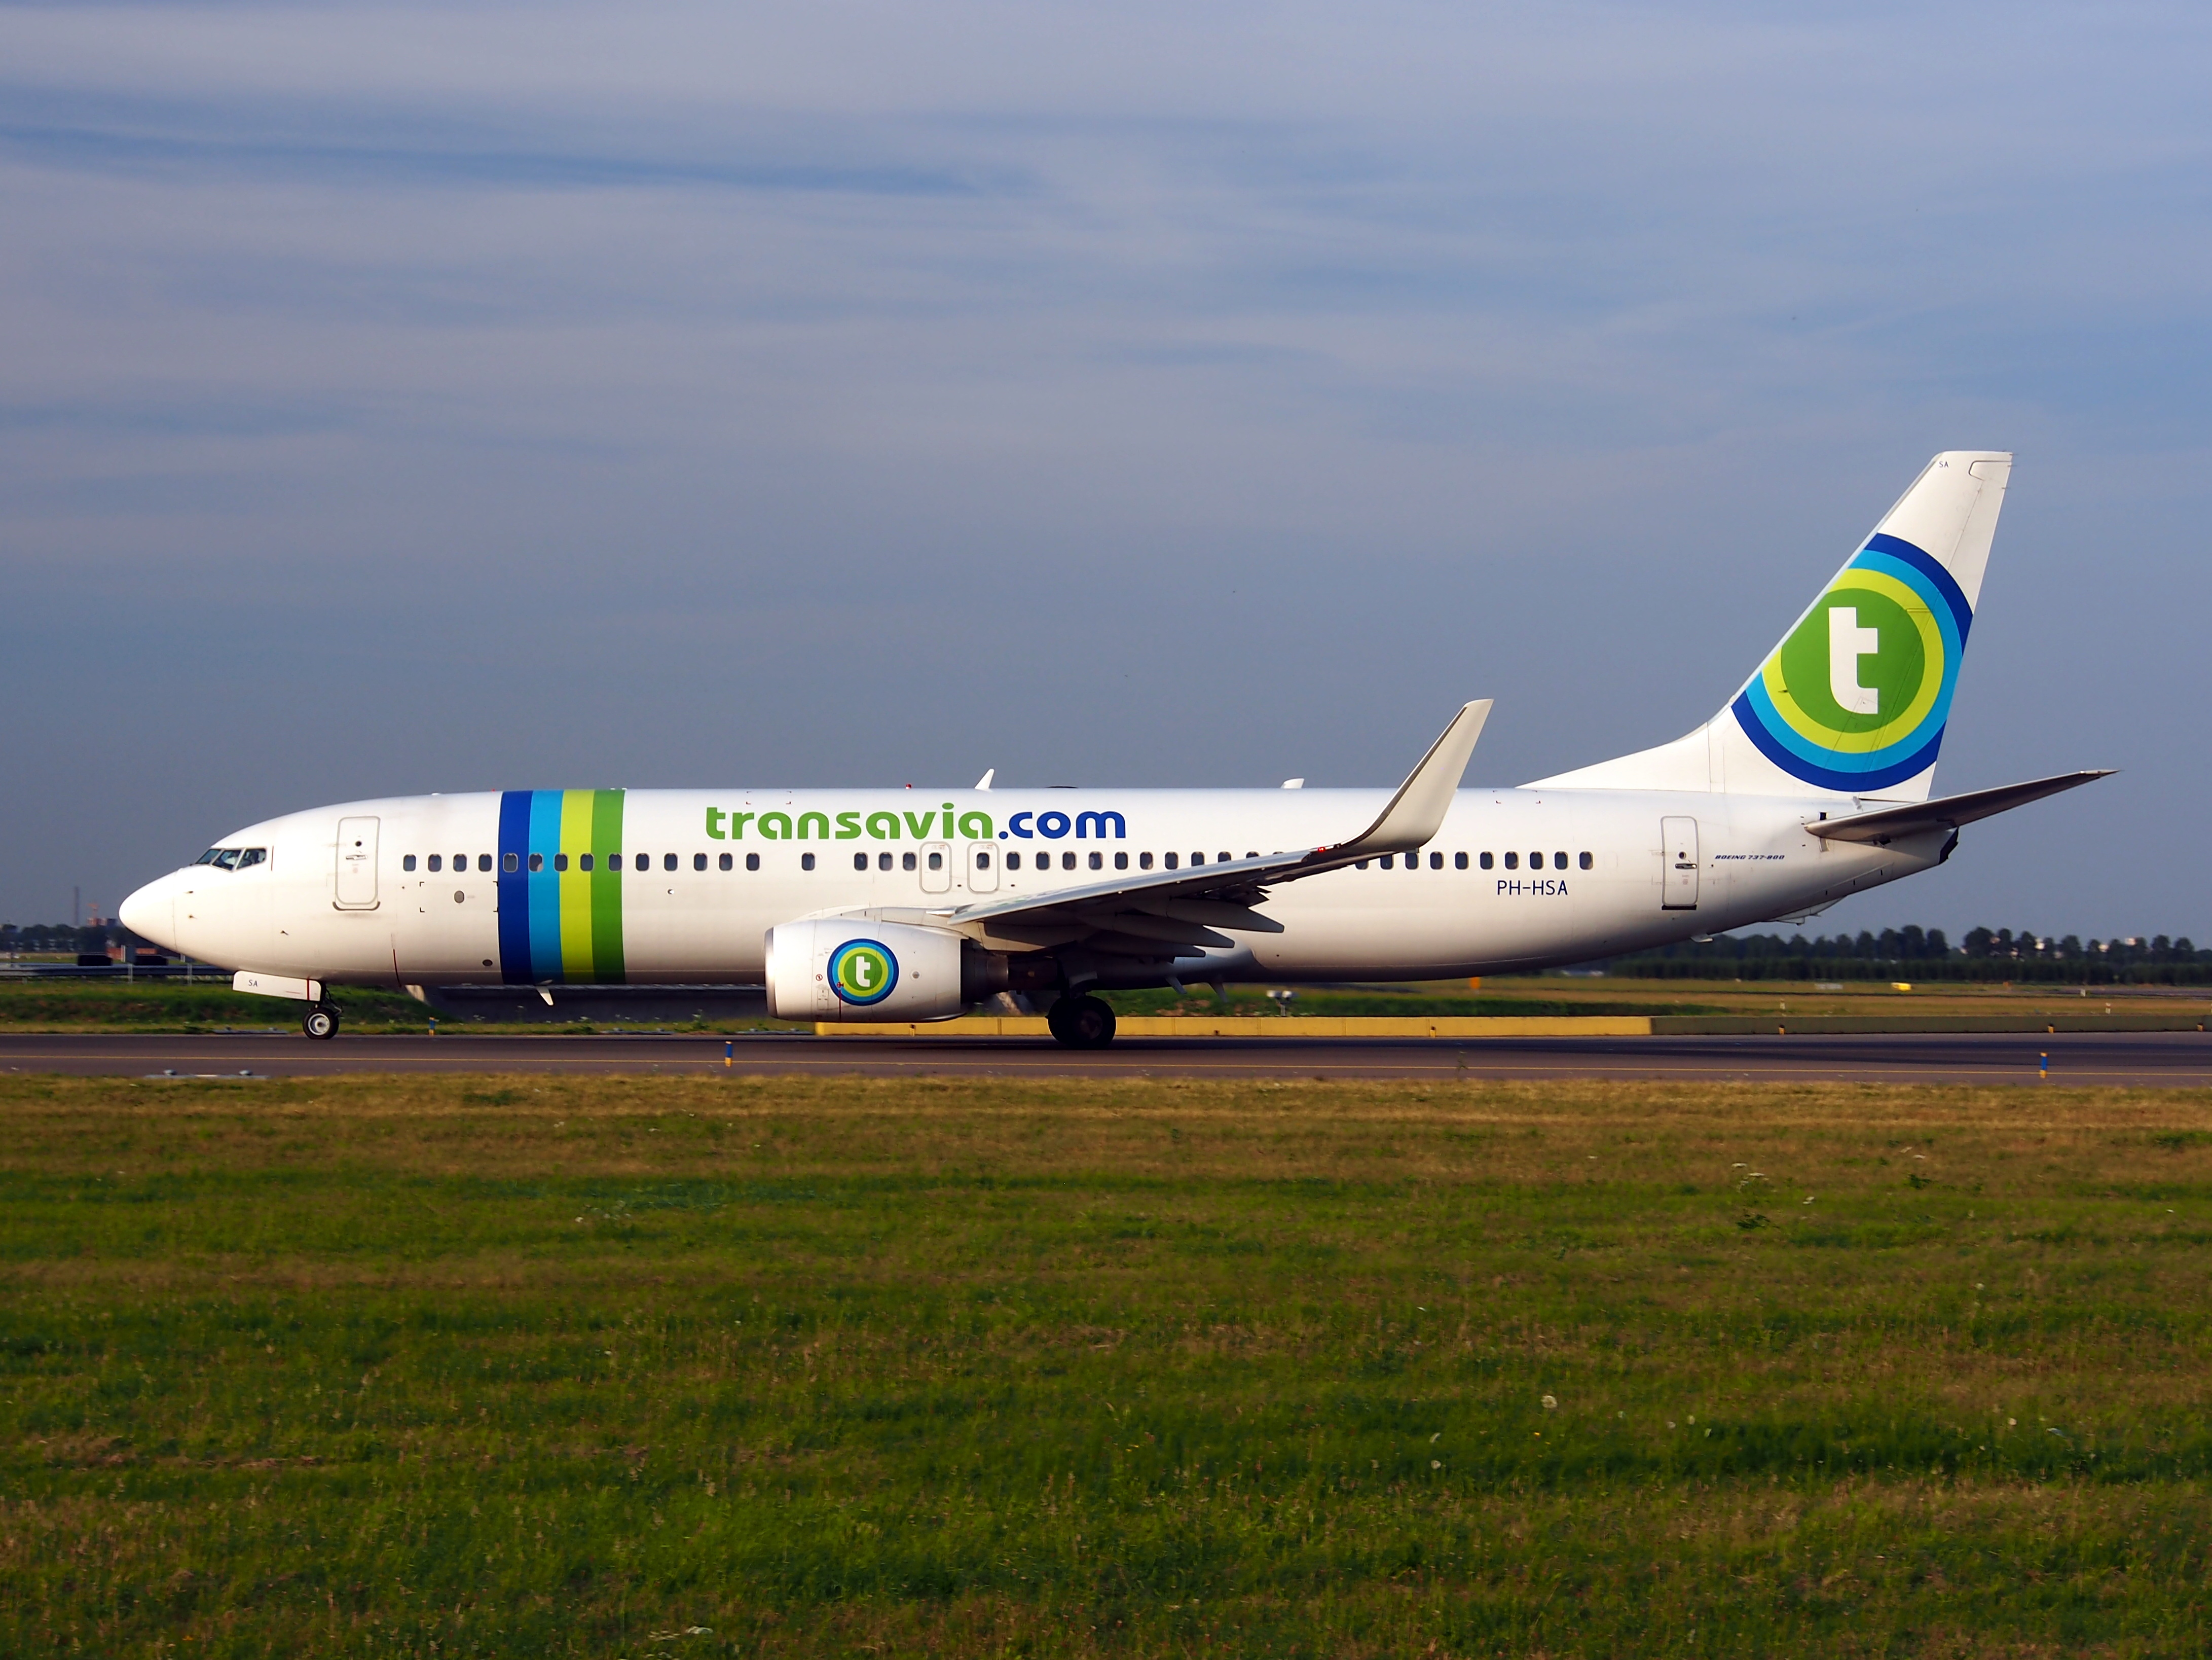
<point x="1151" y="913"/>
<point x="1885" y="825"/>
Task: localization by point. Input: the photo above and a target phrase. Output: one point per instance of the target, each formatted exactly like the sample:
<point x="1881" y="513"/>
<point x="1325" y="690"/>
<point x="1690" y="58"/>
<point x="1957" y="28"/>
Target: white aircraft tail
<point x="1854" y="699"/>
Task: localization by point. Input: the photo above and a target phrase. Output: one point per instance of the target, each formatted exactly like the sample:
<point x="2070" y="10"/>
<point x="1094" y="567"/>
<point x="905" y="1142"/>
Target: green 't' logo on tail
<point x="1856" y="697"/>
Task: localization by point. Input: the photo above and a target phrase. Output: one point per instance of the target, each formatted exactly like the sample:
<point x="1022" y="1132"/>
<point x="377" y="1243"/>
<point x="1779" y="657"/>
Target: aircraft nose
<point x="149" y="913"/>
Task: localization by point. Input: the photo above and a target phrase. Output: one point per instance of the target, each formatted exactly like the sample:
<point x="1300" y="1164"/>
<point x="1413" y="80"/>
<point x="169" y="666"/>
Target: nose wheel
<point x="1081" y="1023"/>
<point x="322" y="1021"/>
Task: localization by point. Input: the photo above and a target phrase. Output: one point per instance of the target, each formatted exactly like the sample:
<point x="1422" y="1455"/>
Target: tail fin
<point x="1854" y="699"/>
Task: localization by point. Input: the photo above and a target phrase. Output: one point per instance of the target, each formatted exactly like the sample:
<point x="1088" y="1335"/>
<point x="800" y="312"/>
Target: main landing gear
<point x="322" y="1021"/>
<point x="1081" y="1023"/>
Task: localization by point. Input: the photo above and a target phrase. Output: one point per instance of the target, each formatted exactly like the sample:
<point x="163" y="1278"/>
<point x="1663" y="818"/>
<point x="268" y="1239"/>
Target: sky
<point x="396" y="400"/>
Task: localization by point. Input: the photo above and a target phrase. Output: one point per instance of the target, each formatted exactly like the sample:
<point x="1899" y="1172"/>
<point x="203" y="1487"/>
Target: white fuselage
<point x="348" y="895"/>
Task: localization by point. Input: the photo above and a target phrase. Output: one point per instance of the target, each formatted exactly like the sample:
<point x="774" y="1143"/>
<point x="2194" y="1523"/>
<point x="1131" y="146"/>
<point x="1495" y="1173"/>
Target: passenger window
<point x="882" y="861"/>
<point x="1222" y="858"/>
<point x="668" y="861"/>
<point x="982" y="861"/>
<point x="1459" y="861"/>
<point x="1513" y="862"/>
<point x="698" y="861"/>
<point x="1144" y="861"/>
<point x="937" y="862"/>
<point x="560" y="861"/>
<point x="408" y="863"/>
<point x="1067" y="861"/>
<point x="1013" y="861"/>
<point x="1196" y="859"/>
<point x="460" y="861"/>
<point x="583" y="862"/>
<point x="807" y="862"/>
<point x="1559" y="862"/>
<point x="1587" y="861"/>
<point x="510" y="862"/>
<point x="1120" y="861"/>
<point x="614" y="862"/>
<point x="484" y="861"/>
<point x="726" y="861"/>
<point x="906" y="861"/>
<point x="1098" y="861"/>
<point x="537" y="861"/>
<point x="1360" y="863"/>
<point x="1436" y="861"/>
<point x="437" y="861"/>
<point x="1388" y="862"/>
<point x="752" y="861"/>
<point x="859" y="861"/>
<point x="1169" y="861"/>
<point x="1487" y="861"/>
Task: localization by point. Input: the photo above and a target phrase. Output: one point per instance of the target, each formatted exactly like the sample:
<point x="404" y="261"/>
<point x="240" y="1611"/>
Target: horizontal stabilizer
<point x="1888" y="824"/>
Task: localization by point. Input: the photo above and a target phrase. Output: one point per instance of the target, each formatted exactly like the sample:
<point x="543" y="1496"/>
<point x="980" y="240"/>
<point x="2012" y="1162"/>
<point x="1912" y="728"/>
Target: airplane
<point x="1813" y="782"/>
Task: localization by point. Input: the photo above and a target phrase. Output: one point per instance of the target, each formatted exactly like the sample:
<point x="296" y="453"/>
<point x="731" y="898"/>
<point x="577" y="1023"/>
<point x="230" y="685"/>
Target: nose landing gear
<point x="322" y="1021"/>
<point x="1081" y="1023"/>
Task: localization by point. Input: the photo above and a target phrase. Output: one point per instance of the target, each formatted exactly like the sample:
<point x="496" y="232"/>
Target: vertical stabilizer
<point x="1854" y="699"/>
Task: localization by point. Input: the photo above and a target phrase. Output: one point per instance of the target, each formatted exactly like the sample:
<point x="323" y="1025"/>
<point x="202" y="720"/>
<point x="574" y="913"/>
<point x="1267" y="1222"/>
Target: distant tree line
<point x="60" y="936"/>
<point x="1917" y="953"/>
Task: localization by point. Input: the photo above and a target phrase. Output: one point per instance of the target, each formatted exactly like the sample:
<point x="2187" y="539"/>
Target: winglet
<point x="1417" y="811"/>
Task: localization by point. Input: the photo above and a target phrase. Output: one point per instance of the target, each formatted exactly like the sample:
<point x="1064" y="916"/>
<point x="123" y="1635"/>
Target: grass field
<point x="524" y="1366"/>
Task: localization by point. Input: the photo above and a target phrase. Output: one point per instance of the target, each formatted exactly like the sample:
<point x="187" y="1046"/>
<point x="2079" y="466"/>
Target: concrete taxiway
<point x="2133" y="1059"/>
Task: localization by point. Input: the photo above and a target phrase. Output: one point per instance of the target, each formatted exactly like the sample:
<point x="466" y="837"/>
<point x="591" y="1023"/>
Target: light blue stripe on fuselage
<point x="545" y="886"/>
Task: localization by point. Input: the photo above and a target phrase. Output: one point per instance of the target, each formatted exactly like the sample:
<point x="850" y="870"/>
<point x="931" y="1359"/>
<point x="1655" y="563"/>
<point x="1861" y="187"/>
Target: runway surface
<point x="2166" y="1059"/>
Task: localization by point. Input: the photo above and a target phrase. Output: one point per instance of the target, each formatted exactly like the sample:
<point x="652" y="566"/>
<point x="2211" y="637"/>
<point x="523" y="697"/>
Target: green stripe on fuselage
<point x="606" y="887"/>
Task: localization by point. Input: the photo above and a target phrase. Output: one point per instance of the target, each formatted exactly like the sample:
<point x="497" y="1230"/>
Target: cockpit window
<point x="233" y="858"/>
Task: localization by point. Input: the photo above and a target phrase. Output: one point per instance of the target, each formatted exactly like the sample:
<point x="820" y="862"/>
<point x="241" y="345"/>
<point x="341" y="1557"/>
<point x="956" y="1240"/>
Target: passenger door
<point x="356" y="873"/>
<point x="1678" y="848"/>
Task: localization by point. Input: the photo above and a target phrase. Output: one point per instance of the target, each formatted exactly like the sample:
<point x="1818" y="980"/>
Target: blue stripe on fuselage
<point x="515" y="887"/>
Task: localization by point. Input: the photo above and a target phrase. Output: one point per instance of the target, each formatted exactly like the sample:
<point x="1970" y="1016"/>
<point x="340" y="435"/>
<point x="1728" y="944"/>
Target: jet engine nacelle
<point x="830" y="968"/>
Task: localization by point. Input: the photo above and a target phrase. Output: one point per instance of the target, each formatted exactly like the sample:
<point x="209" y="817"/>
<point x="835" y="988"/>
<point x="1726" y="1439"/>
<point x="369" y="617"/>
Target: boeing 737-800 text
<point x="1813" y="781"/>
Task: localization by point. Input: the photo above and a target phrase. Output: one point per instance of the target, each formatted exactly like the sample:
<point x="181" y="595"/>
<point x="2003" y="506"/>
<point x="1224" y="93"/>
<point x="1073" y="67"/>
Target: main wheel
<point x="322" y="1021"/>
<point x="1082" y="1023"/>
